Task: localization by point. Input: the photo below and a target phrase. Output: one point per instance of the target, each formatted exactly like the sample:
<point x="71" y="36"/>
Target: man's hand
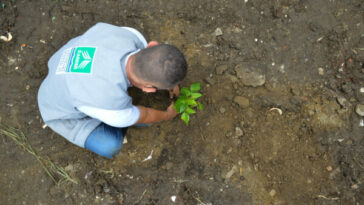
<point x="150" y="115"/>
<point x="171" y="112"/>
<point x="174" y="92"/>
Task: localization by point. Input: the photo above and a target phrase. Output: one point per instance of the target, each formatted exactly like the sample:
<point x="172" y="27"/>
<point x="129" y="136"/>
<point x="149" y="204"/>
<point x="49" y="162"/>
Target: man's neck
<point x="128" y="69"/>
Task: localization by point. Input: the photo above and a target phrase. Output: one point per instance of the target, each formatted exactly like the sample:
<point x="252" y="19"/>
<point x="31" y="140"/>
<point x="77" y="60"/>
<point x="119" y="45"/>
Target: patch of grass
<point x="55" y="172"/>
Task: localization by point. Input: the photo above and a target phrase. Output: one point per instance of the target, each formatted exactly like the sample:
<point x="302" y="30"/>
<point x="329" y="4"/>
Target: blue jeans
<point x="106" y="140"/>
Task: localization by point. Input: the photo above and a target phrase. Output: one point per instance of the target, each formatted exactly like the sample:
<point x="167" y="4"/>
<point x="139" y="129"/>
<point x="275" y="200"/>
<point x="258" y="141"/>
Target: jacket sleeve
<point x="115" y="118"/>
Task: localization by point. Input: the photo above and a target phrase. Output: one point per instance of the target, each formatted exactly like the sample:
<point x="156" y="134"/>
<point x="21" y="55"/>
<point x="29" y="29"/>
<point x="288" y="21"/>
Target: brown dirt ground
<point x="311" y="154"/>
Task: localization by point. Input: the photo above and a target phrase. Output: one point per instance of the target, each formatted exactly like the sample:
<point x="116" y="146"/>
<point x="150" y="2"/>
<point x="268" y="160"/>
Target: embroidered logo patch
<point x="76" y="60"/>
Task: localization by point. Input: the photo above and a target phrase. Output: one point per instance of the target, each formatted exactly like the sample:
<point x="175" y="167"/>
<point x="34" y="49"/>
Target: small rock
<point x="169" y="165"/>
<point x="222" y="110"/>
<point x="321" y="71"/>
<point x="347" y="87"/>
<point x="66" y="8"/>
<point x="120" y="198"/>
<point x="272" y="193"/>
<point x="359" y="109"/>
<point x="238" y="132"/>
<point x="281" y="68"/>
<point x="108" y="200"/>
<point x="220" y="69"/>
<point x="209" y="80"/>
<point x="11" y="61"/>
<point x="69" y="168"/>
<point x="106" y="188"/>
<point x="54" y="190"/>
<point x="98" y="189"/>
<point x="248" y="77"/>
<point x="229" y="134"/>
<point x="237" y="30"/>
<point x="241" y="101"/>
<point x="252" y="155"/>
<point x="125" y="140"/>
<point x="218" y="32"/>
<point x="242" y="123"/>
<point x="232" y="78"/>
<point x="66" y="195"/>
<point x="334" y="173"/>
<point x="208" y="45"/>
<point x="342" y="101"/>
<point x="231" y="172"/>
<point x="237" y="141"/>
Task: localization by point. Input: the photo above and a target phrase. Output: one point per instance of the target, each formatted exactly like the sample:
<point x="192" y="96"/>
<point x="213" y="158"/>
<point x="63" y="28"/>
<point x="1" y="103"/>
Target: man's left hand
<point x="174" y="92"/>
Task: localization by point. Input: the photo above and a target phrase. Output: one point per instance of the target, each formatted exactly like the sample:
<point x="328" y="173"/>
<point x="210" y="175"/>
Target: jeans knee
<point x="106" y="144"/>
<point x="113" y="148"/>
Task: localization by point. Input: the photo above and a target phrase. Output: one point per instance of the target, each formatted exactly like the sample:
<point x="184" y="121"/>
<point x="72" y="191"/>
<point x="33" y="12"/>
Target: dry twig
<point x="141" y="197"/>
<point x="49" y="167"/>
<point x="324" y="197"/>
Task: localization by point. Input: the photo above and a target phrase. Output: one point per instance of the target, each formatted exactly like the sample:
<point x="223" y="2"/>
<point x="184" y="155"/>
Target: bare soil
<point x="310" y="52"/>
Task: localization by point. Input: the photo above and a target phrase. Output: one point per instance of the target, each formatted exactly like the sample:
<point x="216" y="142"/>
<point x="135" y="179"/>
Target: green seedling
<point x="186" y="102"/>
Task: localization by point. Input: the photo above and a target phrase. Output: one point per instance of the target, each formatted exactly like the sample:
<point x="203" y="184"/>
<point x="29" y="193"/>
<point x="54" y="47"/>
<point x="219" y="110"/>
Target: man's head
<point x="161" y="66"/>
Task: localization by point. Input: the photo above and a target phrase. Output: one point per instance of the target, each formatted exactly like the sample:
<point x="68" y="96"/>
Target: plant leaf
<point x="191" y="102"/>
<point x="177" y="104"/>
<point x="190" y="110"/>
<point x="195" y="87"/>
<point x="182" y="97"/>
<point x="200" y="106"/>
<point x="180" y="106"/>
<point x="185" y="91"/>
<point x="185" y="117"/>
<point x="196" y="95"/>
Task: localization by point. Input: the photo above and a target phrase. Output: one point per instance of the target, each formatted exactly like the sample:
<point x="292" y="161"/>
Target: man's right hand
<point x="150" y="115"/>
<point x="171" y="112"/>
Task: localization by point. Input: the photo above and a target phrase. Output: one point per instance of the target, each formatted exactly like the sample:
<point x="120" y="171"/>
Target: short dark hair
<point x="163" y="64"/>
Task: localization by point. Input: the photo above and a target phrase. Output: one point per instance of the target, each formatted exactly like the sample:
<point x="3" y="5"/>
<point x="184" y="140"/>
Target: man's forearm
<point x="150" y="115"/>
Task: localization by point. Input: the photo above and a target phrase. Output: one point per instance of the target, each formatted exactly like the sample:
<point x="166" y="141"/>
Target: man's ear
<point x="152" y="43"/>
<point x="149" y="89"/>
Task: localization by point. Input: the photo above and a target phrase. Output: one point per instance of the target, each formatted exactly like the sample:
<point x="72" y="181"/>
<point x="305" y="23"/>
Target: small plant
<point x="186" y="102"/>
